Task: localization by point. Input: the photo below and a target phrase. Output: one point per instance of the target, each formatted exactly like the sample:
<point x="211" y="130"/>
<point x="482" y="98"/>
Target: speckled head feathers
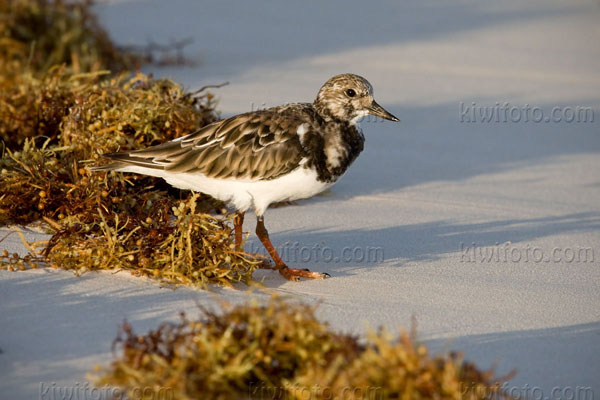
<point x="348" y="97"/>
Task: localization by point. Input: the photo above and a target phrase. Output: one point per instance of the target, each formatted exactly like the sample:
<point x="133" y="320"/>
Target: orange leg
<point x="238" y="221"/>
<point x="292" y="274"/>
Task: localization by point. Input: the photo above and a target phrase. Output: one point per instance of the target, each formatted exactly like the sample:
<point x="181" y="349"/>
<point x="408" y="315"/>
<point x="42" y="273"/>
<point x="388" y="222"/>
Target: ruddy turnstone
<point x="278" y="154"/>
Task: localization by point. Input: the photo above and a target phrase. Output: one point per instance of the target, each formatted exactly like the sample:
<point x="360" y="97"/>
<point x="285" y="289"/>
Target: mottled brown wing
<point x="258" y="145"/>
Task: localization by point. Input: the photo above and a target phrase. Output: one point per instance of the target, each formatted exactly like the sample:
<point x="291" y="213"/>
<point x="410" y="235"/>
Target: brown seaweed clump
<point x="39" y="34"/>
<point x="46" y="176"/>
<point x="41" y="43"/>
<point x="33" y="106"/>
<point x="193" y="248"/>
<point x="60" y="110"/>
<point x="95" y="114"/>
<point x="109" y="220"/>
<point x="282" y="351"/>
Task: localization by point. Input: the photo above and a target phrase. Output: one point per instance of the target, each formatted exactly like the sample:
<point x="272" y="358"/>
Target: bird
<point x="277" y="154"/>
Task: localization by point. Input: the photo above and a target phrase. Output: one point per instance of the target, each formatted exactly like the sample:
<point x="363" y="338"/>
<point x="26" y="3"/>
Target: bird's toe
<point x="294" y="274"/>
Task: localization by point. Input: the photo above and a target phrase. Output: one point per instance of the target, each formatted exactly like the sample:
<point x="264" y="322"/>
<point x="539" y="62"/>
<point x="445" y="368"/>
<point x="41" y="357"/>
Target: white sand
<point x="421" y="190"/>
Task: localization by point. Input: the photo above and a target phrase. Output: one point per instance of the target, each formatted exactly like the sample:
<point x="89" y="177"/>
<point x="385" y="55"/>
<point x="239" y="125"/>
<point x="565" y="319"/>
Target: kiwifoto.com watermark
<point x="87" y="391"/>
<point x="532" y="392"/>
<point x="296" y="252"/>
<point x="510" y="113"/>
<point x="509" y="253"/>
<point x="322" y="392"/>
<point x="263" y="392"/>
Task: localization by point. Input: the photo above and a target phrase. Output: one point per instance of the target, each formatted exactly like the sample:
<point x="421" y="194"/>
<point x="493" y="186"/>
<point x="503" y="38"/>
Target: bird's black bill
<point x="379" y="111"/>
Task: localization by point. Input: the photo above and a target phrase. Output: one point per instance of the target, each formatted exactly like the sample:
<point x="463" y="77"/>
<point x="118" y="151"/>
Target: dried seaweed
<point x="43" y="40"/>
<point x="32" y="106"/>
<point x="60" y="110"/>
<point x="281" y="350"/>
<point x="110" y="220"/>
<point x="88" y="111"/>
<point x="46" y="174"/>
<point x="192" y="249"/>
<point x="39" y="34"/>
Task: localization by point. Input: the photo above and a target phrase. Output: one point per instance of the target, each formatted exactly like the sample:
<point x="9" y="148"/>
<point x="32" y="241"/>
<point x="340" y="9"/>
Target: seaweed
<point x="193" y="248"/>
<point x="281" y="350"/>
<point x="46" y="175"/>
<point x="107" y="220"/>
<point x="39" y="34"/>
<point x="60" y="109"/>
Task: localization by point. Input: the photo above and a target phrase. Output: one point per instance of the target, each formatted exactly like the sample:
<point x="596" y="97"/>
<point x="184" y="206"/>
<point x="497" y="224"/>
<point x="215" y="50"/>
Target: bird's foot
<point x="294" y="274"/>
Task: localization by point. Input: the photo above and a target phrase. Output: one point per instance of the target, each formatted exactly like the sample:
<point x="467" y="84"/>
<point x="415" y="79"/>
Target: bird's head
<point x="348" y="97"/>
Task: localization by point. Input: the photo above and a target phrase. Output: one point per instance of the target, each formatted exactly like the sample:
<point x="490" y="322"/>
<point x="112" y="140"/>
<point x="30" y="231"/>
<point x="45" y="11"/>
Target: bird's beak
<point x="378" y="111"/>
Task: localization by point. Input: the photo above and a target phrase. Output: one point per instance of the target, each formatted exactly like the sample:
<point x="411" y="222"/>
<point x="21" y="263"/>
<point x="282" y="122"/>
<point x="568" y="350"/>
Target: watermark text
<point x="509" y="253"/>
<point x="506" y="112"/>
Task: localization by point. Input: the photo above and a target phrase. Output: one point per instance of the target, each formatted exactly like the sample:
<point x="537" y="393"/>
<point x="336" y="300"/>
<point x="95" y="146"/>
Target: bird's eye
<point x="350" y="93"/>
